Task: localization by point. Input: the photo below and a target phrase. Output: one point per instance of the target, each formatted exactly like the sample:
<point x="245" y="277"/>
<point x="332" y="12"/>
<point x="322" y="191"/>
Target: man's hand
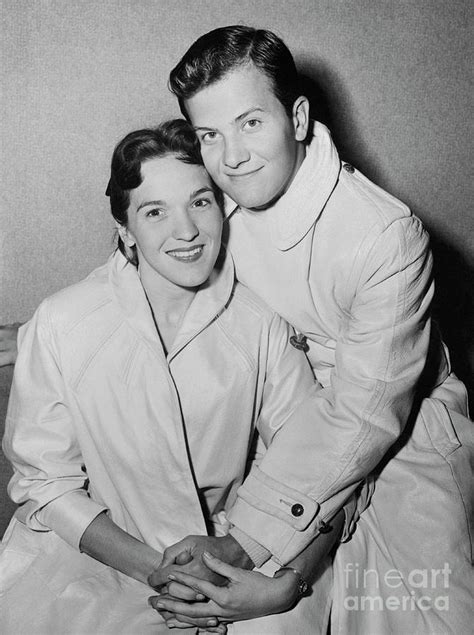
<point x="226" y="548"/>
<point x="246" y="595"/>
<point x="8" y="347"/>
<point x="186" y="556"/>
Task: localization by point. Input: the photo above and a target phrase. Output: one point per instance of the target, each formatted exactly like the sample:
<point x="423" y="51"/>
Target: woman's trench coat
<point x="349" y="266"/>
<point x="100" y="419"/>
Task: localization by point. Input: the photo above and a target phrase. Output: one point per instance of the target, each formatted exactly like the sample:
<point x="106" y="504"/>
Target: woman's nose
<point x="184" y="227"/>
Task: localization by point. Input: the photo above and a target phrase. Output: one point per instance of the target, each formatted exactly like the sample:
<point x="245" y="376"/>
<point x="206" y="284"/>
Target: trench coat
<point x="100" y="419"/>
<point x="350" y="268"/>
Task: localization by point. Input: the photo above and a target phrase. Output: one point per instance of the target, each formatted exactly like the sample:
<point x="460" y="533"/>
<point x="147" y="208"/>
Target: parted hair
<point x="224" y="49"/>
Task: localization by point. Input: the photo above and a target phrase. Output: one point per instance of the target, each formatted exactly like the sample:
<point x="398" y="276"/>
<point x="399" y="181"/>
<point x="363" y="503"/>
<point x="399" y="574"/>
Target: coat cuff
<point x="256" y="552"/>
<point x="272" y="497"/>
<point x="283" y="520"/>
<point x="70" y="515"/>
<point x="270" y="513"/>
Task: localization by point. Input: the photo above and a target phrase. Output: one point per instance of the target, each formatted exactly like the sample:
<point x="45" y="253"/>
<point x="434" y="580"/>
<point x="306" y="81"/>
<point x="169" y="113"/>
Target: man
<point x="349" y="266"/>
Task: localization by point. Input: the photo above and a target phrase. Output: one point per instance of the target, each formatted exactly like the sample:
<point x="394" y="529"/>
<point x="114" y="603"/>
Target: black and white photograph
<point x="236" y="317"/>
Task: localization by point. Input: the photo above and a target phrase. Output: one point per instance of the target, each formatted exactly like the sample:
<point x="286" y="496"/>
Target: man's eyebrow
<point x="146" y="203"/>
<point x="238" y="118"/>
<point x="249" y="112"/>
<point x="196" y="128"/>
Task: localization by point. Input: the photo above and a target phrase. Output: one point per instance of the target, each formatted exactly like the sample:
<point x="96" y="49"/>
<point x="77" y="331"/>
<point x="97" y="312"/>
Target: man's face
<point x="250" y="146"/>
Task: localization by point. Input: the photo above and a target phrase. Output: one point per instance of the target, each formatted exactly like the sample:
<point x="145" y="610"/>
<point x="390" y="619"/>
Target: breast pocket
<point x="439" y="426"/>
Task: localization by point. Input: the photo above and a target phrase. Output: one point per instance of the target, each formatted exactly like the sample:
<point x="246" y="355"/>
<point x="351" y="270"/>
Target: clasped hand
<point x="197" y="588"/>
<point x="8" y="343"/>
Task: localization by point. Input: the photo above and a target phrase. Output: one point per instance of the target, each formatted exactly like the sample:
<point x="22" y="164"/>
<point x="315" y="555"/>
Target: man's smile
<point x="244" y="174"/>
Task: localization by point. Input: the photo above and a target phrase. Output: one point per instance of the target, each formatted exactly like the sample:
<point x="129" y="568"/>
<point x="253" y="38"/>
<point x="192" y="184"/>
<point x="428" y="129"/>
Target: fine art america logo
<point x="418" y="589"/>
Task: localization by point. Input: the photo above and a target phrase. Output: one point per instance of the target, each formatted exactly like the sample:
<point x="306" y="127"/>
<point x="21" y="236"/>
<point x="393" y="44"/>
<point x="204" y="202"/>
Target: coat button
<point x="349" y="168"/>
<point x="299" y="342"/>
<point x="297" y="510"/>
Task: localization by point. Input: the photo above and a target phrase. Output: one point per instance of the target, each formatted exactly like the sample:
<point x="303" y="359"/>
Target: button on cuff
<point x="297" y="510"/>
<point x="274" y="498"/>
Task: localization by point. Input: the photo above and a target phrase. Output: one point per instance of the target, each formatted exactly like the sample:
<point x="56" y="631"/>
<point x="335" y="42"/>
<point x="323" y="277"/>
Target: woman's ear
<point x="126" y="236"/>
<point x="301" y="118"/>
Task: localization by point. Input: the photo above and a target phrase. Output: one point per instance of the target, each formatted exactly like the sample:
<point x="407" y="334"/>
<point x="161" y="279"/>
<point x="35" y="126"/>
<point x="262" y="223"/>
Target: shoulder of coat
<point x="367" y="200"/>
<point x="251" y="302"/>
<point x="72" y="305"/>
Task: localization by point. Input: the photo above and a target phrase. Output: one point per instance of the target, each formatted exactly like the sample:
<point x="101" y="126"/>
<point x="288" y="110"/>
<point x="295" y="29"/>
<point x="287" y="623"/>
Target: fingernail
<point x="200" y="596"/>
<point x="212" y="622"/>
<point x="171" y="577"/>
<point x="160" y="605"/>
<point x="207" y="554"/>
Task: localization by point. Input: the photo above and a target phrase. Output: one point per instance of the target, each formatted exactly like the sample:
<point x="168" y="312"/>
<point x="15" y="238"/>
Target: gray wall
<point x="391" y="77"/>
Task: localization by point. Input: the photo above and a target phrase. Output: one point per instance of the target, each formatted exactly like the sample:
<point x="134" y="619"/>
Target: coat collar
<point x="296" y="211"/>
<point x="208" y="303"/>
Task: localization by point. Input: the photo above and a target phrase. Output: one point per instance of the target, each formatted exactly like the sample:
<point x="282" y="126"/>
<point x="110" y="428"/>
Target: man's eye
<point x="209" y="137"/>
<point x="251" y="124"/>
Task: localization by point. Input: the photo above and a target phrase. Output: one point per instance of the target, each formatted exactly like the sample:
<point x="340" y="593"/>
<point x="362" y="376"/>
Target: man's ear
<point x="301" y="117"/>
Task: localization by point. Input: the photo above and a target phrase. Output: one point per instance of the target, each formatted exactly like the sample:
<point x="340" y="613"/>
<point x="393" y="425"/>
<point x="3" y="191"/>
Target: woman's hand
<point x="179" y="591"/>
<point x="247" y="595"/>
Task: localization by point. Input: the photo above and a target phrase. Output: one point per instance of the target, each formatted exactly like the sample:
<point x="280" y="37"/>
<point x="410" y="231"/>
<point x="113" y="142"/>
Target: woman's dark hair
<point x="216" y="53"/>
<point x="175" y="137"/>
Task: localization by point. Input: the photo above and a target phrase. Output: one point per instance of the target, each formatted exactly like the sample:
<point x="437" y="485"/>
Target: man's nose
<point x="235" y="152"/>
<point x="184" y="227"/>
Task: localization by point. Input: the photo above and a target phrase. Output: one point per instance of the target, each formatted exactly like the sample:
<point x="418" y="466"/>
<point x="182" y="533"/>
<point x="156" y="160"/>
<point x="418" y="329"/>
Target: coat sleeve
<point x="49" y="477"/>
<point x="339" y="434"/>
<point x="275" y="505"/>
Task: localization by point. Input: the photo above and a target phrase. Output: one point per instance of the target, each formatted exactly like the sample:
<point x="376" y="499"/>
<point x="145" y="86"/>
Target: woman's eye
<point x="202" y="202"/>
<point x="154" y="213"/>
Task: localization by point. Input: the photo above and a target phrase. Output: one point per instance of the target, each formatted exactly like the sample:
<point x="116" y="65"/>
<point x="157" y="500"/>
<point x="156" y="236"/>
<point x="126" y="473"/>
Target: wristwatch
<point x="303" y="586"/>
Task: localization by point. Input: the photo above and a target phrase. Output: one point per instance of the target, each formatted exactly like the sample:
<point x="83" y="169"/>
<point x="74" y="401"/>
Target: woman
<point x="127" y="387"/>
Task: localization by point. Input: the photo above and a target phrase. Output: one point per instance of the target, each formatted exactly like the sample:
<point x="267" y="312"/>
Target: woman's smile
<point x="187" y="254"/>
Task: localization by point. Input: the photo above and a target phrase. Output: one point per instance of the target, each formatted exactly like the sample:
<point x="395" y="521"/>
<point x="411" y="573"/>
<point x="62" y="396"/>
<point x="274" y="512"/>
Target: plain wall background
<point x="392" y="78"/>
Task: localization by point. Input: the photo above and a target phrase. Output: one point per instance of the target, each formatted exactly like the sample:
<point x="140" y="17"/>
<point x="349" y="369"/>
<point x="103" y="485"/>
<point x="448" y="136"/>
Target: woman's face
<point x="175" y="223"/>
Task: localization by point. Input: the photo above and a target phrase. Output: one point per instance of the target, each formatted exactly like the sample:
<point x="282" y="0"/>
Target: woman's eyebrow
<point x="145" y="203"/>
<point x="201" y="190"/>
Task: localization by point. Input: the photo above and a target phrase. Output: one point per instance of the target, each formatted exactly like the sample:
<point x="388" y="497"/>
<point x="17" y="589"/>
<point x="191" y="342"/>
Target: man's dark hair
<point x="171" y="138"/>
<point x="216" y="53"/>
